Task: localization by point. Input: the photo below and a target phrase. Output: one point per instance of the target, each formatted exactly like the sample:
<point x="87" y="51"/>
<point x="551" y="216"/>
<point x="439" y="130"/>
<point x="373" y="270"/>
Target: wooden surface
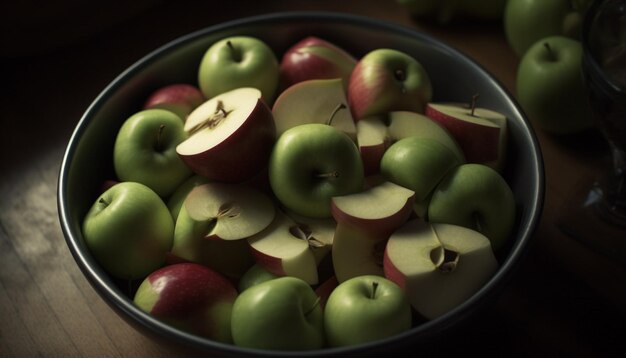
<point x="564" y="300"/>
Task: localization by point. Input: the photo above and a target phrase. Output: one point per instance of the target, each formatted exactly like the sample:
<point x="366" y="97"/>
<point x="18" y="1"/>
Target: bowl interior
<point x="454" y="78"/>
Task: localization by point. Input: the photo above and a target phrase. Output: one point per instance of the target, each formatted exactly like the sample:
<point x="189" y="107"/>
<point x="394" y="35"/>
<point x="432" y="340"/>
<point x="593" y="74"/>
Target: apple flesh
<point x="175" y="201"/>
<point x="230" y="136"/>
<point x="180" y="98"/>
<point x="438" y="266"/>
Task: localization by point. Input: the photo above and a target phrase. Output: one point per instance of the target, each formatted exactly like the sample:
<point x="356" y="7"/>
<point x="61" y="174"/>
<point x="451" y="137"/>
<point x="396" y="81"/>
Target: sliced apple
<point x="357" y="253"/>
<point x="314" y="101"/>
<point x="286" y="249"/>
<point x="481" y="133"/>
<point x="231" y="211"/>
<point x="373" y="139"/>
<point x="439" y="266"/>
<point x="230" y="136"/>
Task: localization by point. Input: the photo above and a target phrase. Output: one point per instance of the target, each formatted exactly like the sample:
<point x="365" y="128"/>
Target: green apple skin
<point x="254" y="276"/>
<point x="175" y="201"/>
<point x="310" y="164"/>
<point x="357" y="313"/>
<point x="550" y="86"/>
<point x="145" y="151"/>
<point x="239" y="61"/>
<point x="418" y="164"/>
<point x="386" y="80"/>
<point x="528" y="21"/>
<point x="129" y="230"/>
<point x="280" y="314"/>
<point x="477" y="197"/>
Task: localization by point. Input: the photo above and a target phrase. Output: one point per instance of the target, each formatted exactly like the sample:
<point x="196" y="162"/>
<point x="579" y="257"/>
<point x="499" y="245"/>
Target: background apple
<point x="190" y="297"/>
<point x="129" y="229"/>
<point x="180" y="98"/>
<point x="239" y="61"/>
<point x="253" y="276"/>
<point x="550" y="86"/>
<point x="145" y="151"/>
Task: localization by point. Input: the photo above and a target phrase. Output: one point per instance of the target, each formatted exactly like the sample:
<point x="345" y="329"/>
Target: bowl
<point x="455" y="77"/>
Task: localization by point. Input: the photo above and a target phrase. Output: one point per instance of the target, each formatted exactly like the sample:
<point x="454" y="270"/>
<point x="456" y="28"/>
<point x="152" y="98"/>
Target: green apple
<point x="550" y="86"/>
<point x="279" y="314"/>
<point x="477" y="197"/>
<point x="418" y="164"/>
<point x="447" y="11"/>
<point x="528" y="21"/>
<point x="310" y="164"/>
<point x="239" y="61"/>
<point x="175" y="201"/>
<point x="255" y="275"/>
<point x="365" y="309"/>
<point x="190" y="297"/>
<point x="145" y="151"/>
<point x="386" y="80"/>
<point x="438" y="266"/>
<point x="128" y="230"/>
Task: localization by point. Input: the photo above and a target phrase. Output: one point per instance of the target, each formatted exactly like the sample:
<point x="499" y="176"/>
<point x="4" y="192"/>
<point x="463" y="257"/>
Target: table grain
<point x="564" y="300"/>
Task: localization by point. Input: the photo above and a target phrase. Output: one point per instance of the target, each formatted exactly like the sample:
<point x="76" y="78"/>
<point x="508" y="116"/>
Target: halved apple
<point x="481" y="132"/>
<point x="314" y="101"/>
<point x="230" y="211"/>
<point x="286" y="249"/>
<point x="230" y="136"/>
<point x="439" y="266"/>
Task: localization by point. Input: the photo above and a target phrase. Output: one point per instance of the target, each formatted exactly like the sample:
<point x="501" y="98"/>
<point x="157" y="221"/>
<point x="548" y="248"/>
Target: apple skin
<point x="301" y="155"/>
<point x="127" y="230"/>
<point x="180" y="98"/>
<point x="528" y="21"/>
<point x="279" y="314"/>
<point x="550" y="86"/>
<point x="190" y="297"/>
<point x="477" y="197"/>
<point x="365" y="309"/>
<point x="255" y="275"/>
<point x="249" y="62"/>
<point x="145" y="151"/>
<point x="315" y="58"/>
<point x="175" y="201"/>
<point x="386" y="80"/>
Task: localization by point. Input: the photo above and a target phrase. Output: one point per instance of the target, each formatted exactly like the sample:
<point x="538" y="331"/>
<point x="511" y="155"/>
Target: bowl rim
<point x="124" y="306"/>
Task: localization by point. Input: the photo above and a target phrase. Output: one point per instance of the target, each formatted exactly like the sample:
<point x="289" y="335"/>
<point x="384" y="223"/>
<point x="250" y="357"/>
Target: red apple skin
<point x="478" y="143"/>
<point x="392" y="273"/>
<point x="187" y="291"/>
<point x="273" y="265"/>
<point x="242" y="155"/>
<point x="297" y="66"/>
<point x="376" y="228"/>
<point x="371" y="157"/>
<point x="180" y="98"/>
<point x="324" y="290"/>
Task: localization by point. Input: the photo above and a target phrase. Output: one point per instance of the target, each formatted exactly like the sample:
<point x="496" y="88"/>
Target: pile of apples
<point x="319" y="201"/>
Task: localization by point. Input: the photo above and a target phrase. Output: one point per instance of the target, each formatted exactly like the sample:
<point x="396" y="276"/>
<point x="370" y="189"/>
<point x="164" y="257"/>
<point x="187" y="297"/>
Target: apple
<point x="239" y="61"/>
<point x="528" y="21"/>
<point x="314" y="101"/>
<point x="128" y="230"/>
<point x="285" y="248"/>
<point x="230" y="258"/>
<point x="230" y="136"/>
<point x="175" y="201"/>
<point x="279" y="314"/>
<point x="386" y="80"/>
<point x="481" y="133"/>
<point x="438" y="266"/>
<point x="365" y="309"/>
<point x="418" y="164"/>
<point x="324" y="289"/>
<point x="477" y="197"/>
<point x="228" y="211"/>
<point x="180" y="98"/>
<point x="253" y="276"/>
<point x="190" y="297"/>
<point x="310" y="164"/>
<point x="314" y="58"/>
<point x="376" y="133"/>
<point x="145" y="151"/>
<point x="365" y="221"/>
<point x="550" y="86"/>
<point x="450" y="11"/>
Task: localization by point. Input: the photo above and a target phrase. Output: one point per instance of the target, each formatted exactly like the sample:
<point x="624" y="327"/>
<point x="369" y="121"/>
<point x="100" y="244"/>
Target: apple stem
<point x="551" y="54"/>
<point x="333" y="174"/>
<point x="473" y="104"/>
<point x="339" y="107"/>
<point x="374" y="288"/>
<point x="477" y="222"/>
<point x="315" y="304"/>
<point x="103" y="201"/>
<point x="160" y="137"/>
<point x="234" y="52"/>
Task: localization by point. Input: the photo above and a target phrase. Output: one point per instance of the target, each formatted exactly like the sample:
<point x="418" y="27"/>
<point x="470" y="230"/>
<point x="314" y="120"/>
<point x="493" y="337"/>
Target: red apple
<point x="180" y="98"/>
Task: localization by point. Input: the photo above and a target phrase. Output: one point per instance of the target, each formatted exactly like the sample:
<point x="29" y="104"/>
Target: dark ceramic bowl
<point x="455" y="78"/>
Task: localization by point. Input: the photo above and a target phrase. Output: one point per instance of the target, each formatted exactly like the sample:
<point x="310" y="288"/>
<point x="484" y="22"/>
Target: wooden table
<point x="564" y="300"/>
